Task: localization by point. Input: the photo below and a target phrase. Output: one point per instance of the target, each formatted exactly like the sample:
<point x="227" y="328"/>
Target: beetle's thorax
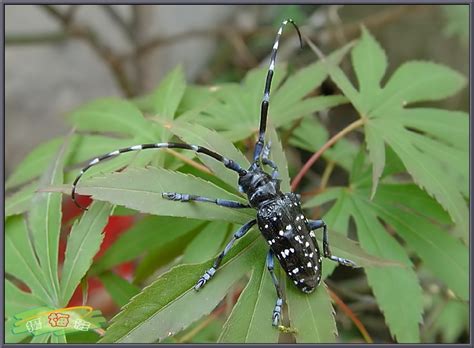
<point x="259" y="187"/>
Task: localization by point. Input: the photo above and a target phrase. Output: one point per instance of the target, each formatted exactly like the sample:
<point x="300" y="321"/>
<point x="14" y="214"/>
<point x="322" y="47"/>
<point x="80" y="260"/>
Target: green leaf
<point x="166" y="98"/>
<point x="301" y="83"/>
<point x="44" y="338"/>
<point x="44" y="218"/>
<point x="457" y="22"/>
<point x="207" y="244"/>
<point x="83" y="243"/>
<point x="403" y="320"/>
<point x="304" y="108"/>
<point x="311" y="314"/>
<point x="112" y="115"/>
<point x="162" y="255"/>
<point x="443" y="254"/>
<point x="327" y="195"/>
<point x="146" y="234"/>
<point x="432" y="82"/>
<point x="242" y="102"/>
<point x="311" y="136"/>
<point x="61" y="339"/>
<point x="17" y="301"/>
<point x="429" y="173"/>
<point x="157" y="312"/>
<point x="277" y="155"/>
<point x="19" y="202"/>
<point x="81" y="148"/>
<point x="344" y="247"/>
<point x="20" y="260"/>
<point x="452" y="321"/>
<point x="376" y="148"/>
<point x="141" y="189"/>
<point x="119" y="289"/>
<point x="370" y="63"/>
<point x="434" y="165"/>
<point x="199" y="135"/>
<point x="34" y="163"/>
<point x="250" y="319"/>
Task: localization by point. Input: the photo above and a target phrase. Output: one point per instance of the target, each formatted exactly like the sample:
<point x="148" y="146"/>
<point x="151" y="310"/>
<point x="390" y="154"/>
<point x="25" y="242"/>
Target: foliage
<point x="457" y="22"/>
<point x="399" y="224"/>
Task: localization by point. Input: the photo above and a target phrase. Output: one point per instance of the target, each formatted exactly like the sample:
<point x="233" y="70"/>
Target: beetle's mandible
<point x="280" y="219"/>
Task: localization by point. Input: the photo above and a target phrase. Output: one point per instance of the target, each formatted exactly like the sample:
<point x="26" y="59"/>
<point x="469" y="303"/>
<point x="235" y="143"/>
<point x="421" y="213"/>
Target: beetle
<point x="280" y="218"/>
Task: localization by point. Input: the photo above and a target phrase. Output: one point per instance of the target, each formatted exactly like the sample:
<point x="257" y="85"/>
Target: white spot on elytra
<point x="280" y="233"/>
<point x="294" y="281"/>
<point x="309" y="264"/>
<point x="295" y="270"/>
<point x="299" y="227"/>
<point x="266" y="226"/>
<point x="287" y="252"/>
<point x="297" y="218"/>
<point x="297" y="238"/>
<point x="306" y="244"/>
<point x="288" y="227"/>
<point x="311" y="234"/>
<point x="274" y="219"/>
<point x="311" y="255"/>
<point x="292" y="250"/>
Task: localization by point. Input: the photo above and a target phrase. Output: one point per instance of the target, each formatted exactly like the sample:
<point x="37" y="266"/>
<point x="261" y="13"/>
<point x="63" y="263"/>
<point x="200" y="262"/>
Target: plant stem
<point x="352" y="316"/>
<point x="317" y="154"/>
<point x="189" y="161"/>
<point x="326" y="175"/>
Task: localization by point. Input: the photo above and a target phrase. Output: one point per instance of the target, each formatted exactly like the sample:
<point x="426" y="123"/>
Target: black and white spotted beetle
<point x="279" y="216"/>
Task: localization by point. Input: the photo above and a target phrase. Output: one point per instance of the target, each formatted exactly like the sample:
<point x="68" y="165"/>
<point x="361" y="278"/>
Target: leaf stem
<point x="190" y="161"/>
<point x="352" y="316"/>
<point x="327" y="145"/>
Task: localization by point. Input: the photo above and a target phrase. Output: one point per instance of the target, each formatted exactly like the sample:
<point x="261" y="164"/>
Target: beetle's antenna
<point x="228" y="163"/>
<point x="266" y="93"/>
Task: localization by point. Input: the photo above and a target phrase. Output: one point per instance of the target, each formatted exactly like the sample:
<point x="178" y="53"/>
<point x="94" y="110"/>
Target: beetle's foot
<point x="344" y="262"/>
<point x="174" y="196"/>
<point x="277" y="312"/>
<point x="203" y="280"/>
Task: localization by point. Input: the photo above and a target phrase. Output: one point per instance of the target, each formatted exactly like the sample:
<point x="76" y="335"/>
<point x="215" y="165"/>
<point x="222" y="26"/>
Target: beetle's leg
<point x="272" y="164"/>
<point x="184" y="197"/>
<point x="314" y="225"/>
<point x="210" y="272"/>
<point x="266" y="159"/>
<point x="279" y="302"/>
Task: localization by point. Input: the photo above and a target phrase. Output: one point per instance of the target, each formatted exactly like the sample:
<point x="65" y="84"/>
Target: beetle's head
<point x="259" y="186"/>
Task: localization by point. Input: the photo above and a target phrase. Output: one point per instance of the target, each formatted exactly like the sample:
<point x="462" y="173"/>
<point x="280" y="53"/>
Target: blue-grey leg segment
<point x="184" y="197"/>
<point x="272" y="164"/>
<point x="279" y="303"/>
<point x="210" y="272"/>
<point x="316" y="224"/>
